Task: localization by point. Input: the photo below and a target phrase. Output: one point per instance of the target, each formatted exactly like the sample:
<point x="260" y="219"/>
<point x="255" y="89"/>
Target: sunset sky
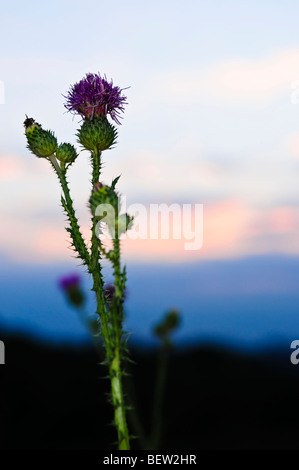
<point x="212" y="119"/>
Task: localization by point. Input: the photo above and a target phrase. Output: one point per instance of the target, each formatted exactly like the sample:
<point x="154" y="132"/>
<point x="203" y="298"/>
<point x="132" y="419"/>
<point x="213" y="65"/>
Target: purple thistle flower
<point x="70" y="284"/>
<point x="95" y="96"/>
<point x="69" y="281"/>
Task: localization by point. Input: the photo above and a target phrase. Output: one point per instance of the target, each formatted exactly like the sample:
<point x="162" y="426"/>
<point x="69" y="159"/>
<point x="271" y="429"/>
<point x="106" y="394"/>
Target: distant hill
<point x="250" y="303"/>
<point x="55" y="398"/>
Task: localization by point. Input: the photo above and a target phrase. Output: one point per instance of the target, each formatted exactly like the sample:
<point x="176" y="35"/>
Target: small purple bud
<point x="97" y="186"/>
<point x="71" y="280"/>
<point x="71" y="286"/>
<point x="109" y="291"/>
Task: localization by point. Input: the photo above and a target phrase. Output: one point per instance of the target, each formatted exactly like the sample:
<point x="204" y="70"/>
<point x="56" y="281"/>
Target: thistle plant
<point x="163" y="330"/>
<point x="95" y="100"/>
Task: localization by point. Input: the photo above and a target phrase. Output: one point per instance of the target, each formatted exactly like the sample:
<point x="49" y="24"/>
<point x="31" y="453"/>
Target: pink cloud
<point x="230" y="229"/>
<point x="10" y="168"/>
<point x="225" y="223"/>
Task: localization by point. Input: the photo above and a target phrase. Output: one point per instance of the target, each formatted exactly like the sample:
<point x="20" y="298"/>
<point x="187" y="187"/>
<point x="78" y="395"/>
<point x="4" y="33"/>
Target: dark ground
<point x="55" y="398"/>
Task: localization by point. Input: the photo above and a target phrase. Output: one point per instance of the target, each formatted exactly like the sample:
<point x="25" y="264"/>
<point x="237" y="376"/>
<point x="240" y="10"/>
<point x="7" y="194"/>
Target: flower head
<point x="70" y="284"/>
<point x="94" y="96"/>
<point x="69" y="281"/>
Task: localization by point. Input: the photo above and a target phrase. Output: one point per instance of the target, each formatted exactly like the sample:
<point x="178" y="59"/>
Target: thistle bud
<point x="103" y="194"/>
<point x="40" y="142"/>
<point x="66" y="153"/>
<point x="169" y="323"/>
<point x="97" y="135"/>
<point x="97" y="186"/>
<point x="125" y="223"/>
<point x="109" y="292"/>
<point x="71" y="286"/>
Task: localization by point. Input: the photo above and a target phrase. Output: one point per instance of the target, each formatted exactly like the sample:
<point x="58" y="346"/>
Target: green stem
<point x="119" y="288"/>
<point x="96" y="166"/>
<point x="112" y="337"/>
<point x="95" y="267"/>
<point x="118" y="402"/>
<point x="101" y="307"/>
<point x="67" y="203"/>
<point x="132" y="413"/>
<point x="117" y="319"/>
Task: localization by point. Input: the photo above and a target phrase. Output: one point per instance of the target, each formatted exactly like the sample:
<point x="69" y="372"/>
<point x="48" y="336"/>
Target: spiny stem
<point x="112" y="337"/>
<point x="95" y="267"/>
<point x="118" y="402"/>
<point x="117" y="319"/>
<point x="96" y="166"/>
<point x="101" y="307"/>
<point x="67" y="203"/>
